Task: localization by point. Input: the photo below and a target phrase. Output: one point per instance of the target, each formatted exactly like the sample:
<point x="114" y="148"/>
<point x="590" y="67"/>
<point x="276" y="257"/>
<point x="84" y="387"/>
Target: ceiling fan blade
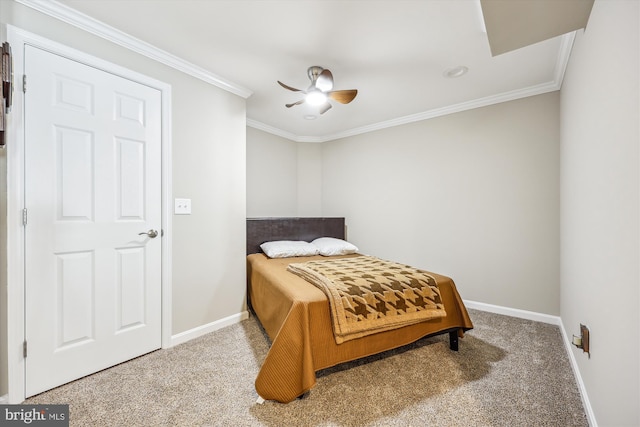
<point x="325" y="107"/>
<point x="288" y="87"/>
<point x="295" y="103"/>
<point x="343" y="96"/>
<point x="324" y="82"/>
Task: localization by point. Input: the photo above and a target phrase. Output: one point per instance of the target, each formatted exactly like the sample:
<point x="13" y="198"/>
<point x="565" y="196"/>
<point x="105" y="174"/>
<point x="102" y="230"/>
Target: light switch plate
<point x="182" y="207"/>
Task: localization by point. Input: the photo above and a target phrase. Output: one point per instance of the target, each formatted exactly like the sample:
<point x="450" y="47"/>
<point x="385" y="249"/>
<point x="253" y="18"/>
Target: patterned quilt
<point x="368" y="295"/>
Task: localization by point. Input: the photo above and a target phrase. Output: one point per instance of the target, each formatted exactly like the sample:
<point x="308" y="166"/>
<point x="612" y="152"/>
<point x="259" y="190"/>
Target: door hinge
<point x="24" y="216"/>
<point x="24" y="349"/>
<point x="24" y="83"/>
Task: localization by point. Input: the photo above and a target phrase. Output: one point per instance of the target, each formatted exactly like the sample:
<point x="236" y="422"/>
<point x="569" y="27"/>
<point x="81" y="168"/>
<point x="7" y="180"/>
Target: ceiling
<point x="394" y="52"/>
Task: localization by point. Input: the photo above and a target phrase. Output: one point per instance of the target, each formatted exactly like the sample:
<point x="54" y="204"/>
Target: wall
<point x="309" y="179"/>
<point x="209" y="164"/>
<point x="209" y="152"/>
<point x="272" y="175"/>
<point x="472" y="195"/>
<point x="600" y="207"/>
<point x="284" y="178"/>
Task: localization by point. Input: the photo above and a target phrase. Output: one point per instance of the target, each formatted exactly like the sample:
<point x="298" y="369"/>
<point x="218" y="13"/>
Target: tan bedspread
<point x="368" y="295"/>
<point x="296" y="316"/>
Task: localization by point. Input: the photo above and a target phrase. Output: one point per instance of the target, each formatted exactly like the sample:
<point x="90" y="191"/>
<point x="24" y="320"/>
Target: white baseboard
<point x="554" y="320"/>
<point x="4" y="400"/>
<point x="591" y="418"/>
<point x="514" y="312"/>
<point x="209" y="327"/>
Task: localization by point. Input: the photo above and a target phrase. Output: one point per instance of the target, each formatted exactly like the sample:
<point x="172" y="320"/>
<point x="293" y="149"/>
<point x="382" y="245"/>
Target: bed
<point x="296" y="315"/>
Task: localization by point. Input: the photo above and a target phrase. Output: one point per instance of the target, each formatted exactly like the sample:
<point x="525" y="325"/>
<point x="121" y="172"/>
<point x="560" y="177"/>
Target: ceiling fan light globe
<point x="316" y="97"/>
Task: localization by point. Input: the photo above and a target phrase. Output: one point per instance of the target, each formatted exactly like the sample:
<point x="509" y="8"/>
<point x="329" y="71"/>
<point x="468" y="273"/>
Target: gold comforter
<point x="296" y="316"/>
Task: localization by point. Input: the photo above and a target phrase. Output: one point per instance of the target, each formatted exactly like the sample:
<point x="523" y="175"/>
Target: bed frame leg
<point x="453" y="340"/>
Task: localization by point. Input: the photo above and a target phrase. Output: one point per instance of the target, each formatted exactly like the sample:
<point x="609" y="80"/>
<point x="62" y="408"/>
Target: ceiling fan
<point x="320" y="90"/>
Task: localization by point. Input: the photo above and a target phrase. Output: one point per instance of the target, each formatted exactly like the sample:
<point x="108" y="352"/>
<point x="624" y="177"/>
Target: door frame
<point x="15" y="156"/>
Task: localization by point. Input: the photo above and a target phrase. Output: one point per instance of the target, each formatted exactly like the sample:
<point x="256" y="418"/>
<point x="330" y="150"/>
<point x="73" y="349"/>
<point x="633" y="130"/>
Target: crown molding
<point x="272" y="130"/>
<point x="73" y="17"/>
<point x="564" y="52"/>
<point x="80" y="20"/>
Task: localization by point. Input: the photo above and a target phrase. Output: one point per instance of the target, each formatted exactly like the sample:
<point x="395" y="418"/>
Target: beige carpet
<point x="508" y="372"/>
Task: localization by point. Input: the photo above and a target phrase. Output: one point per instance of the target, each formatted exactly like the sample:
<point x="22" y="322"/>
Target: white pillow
<point x="288" y="248"/>
<point x="329" y="246"/>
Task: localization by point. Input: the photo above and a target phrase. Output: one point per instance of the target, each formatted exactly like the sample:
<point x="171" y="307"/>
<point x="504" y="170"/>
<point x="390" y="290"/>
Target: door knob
<point x="151" y="233"/>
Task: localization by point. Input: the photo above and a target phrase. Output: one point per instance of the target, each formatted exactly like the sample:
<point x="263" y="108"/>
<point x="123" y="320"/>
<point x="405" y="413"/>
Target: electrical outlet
<point x="584" y="333"/>
<point x="182" y="207"/>
<point x="582" y="341"/>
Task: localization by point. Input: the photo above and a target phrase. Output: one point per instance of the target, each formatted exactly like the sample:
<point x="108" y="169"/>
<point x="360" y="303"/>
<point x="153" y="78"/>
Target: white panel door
<point x="92" y="185"/>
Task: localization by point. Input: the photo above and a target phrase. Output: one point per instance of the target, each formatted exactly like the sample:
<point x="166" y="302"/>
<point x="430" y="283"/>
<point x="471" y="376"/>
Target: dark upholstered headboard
<point x="260" y="230"/>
